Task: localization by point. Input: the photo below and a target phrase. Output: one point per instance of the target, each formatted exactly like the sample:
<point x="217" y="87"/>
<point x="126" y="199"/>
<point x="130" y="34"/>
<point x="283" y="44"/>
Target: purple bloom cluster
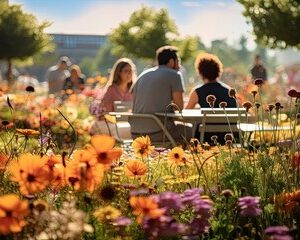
<point x="249" y="206"/>
<point x="163" y="226"/>
<point x="174" y="203"/>
<point x="278" y="233"/>
<point x="170" y="201"/>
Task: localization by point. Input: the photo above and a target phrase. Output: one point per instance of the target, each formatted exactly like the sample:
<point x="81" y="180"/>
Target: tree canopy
<point x="147" y="30"/>
<point x="276" y="23"/>
<point x="21" y="35"/>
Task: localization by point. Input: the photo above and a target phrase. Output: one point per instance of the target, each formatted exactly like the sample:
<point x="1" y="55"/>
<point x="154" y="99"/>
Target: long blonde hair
<point x="114" y="77"/>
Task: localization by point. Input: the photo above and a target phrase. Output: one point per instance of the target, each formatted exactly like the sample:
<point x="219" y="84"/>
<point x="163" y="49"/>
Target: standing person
<point x="76" y="80"/>
<point x="57" y="74"/>
<point x="121" y="78"/>
<point x="258" y="70"/>
<point x="154" y="91"/>
<point x="210" y="68"/>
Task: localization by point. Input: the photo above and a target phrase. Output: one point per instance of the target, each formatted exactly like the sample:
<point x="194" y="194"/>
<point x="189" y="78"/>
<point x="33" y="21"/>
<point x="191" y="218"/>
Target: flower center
<point x="30" y="178"/>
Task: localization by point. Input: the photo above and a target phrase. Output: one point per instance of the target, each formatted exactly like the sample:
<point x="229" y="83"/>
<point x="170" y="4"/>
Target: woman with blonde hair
<point x="118" y="88"/>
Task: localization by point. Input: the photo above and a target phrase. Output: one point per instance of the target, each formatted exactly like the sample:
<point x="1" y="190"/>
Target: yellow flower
<point x="177" y="155"/>
<point x="107" y="214"/>
<point x="142" y="146"/>
<point x="134" y="168"/>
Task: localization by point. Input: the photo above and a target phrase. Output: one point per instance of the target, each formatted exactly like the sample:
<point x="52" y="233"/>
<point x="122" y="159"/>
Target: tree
<point x="276" y="23"/>
<point x="147" y="30"/>
<point x="21" y="35"/>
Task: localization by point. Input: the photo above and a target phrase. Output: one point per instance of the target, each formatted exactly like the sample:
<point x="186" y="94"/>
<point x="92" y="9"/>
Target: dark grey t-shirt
<point x="152" y="93"/>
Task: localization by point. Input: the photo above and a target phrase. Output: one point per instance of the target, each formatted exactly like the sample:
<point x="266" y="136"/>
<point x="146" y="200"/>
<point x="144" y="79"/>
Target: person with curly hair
<point x="210" y="68"/>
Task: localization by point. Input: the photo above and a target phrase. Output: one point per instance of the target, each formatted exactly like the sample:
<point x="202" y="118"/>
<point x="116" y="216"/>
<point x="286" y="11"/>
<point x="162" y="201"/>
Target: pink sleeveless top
<point x="114" y="94"/>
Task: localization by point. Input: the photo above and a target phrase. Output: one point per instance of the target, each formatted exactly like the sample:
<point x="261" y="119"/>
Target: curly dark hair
<point x="208" y="66"/>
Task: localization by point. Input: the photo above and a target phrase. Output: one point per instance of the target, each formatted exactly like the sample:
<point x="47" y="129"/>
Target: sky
<point x="208" y="19"/>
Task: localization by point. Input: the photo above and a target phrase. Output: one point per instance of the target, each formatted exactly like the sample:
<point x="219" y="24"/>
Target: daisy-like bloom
<point x="102" y="148"/>
<point x="293" y="93"/>
<point x="145" y="207"/>
<point x="83" y="176"/>
<point x="277" y="233"/>
<point x="12" y="213"/>
<point x="3" y="161"/>
<point x="52" y="160"/>
<point x="85" y="156"/>
<point x="250" y="206"/>
<point x="177" y="155"/>
<point x="31" y="172"/>
<point x="142" y="146"/>
<point x="135" y="168"/>
<point x="27" y="132"/>
<point x="58" y="179"/>
<point x="107" y="214"/>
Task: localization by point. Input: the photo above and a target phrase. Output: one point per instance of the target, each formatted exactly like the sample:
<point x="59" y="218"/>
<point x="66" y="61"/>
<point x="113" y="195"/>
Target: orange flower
<point x="177" y="155"/>
<point x="58" y="176"/>
<point x="145" y="207"/>
<point x="12" y="212"/>
<point x="84" y="176"/>
<point x="3" y="161"/>
<point x="27" y="132"/>
<point x="85" y="156"/>
<point x="288" y="201"/>
<point x="31" y="172"/>
<point x="134" y="168"/>
<point x="142" y="146"/>
<point x="52" y="160"/>
<point x="102" y="149"/>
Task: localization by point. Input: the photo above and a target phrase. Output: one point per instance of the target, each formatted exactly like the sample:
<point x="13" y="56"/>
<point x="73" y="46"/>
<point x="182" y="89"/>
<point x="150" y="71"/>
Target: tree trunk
<point x="9" y="75"/>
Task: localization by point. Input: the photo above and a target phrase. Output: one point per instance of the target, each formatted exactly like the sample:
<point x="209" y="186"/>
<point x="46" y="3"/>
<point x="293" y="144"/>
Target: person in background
<point x="118" y="88"/>
<point x="210" y="68"/>
<point x="157" y="90"/>
<point x="57" y="74"/>
<point x="75" y="82"/>
<point x="258" y="70"/>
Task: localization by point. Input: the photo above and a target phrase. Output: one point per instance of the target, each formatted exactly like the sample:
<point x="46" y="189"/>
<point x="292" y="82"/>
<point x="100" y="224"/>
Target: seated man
<point x="154" y="91"/>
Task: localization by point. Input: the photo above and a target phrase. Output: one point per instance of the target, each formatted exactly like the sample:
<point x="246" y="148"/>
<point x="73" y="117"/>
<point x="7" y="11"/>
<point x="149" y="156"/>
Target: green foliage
<point x="276" y="23"/>
<point x="21" y="35"/>
<point x="147" y="30"/>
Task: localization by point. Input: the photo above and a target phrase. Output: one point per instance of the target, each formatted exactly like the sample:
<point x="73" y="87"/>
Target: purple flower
<point x="190" y="195"/>
<point x="122" y="222"/>
<point x="249" y="206"/>
<point x="199" y="225"/>
<point x="203" y="207"/>
<point x="139" y="192"/>
<point x="169" y="200"/>
<point x="278" y="233"/>
<point x="163" y="226"/>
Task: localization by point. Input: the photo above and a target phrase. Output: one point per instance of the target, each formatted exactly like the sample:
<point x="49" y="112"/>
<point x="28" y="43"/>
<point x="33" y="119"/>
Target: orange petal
<point x="102" y="143"/>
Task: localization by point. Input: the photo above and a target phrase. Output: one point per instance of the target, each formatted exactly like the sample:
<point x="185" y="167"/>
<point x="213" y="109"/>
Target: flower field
<point x="57" y="182"/>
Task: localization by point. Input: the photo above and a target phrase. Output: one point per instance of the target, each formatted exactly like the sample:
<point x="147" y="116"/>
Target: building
<point x="76" y="46"/>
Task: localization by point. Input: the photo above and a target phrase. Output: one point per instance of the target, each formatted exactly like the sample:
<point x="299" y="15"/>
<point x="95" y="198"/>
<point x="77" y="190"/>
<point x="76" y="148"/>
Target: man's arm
<point x="177" y="97"/>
